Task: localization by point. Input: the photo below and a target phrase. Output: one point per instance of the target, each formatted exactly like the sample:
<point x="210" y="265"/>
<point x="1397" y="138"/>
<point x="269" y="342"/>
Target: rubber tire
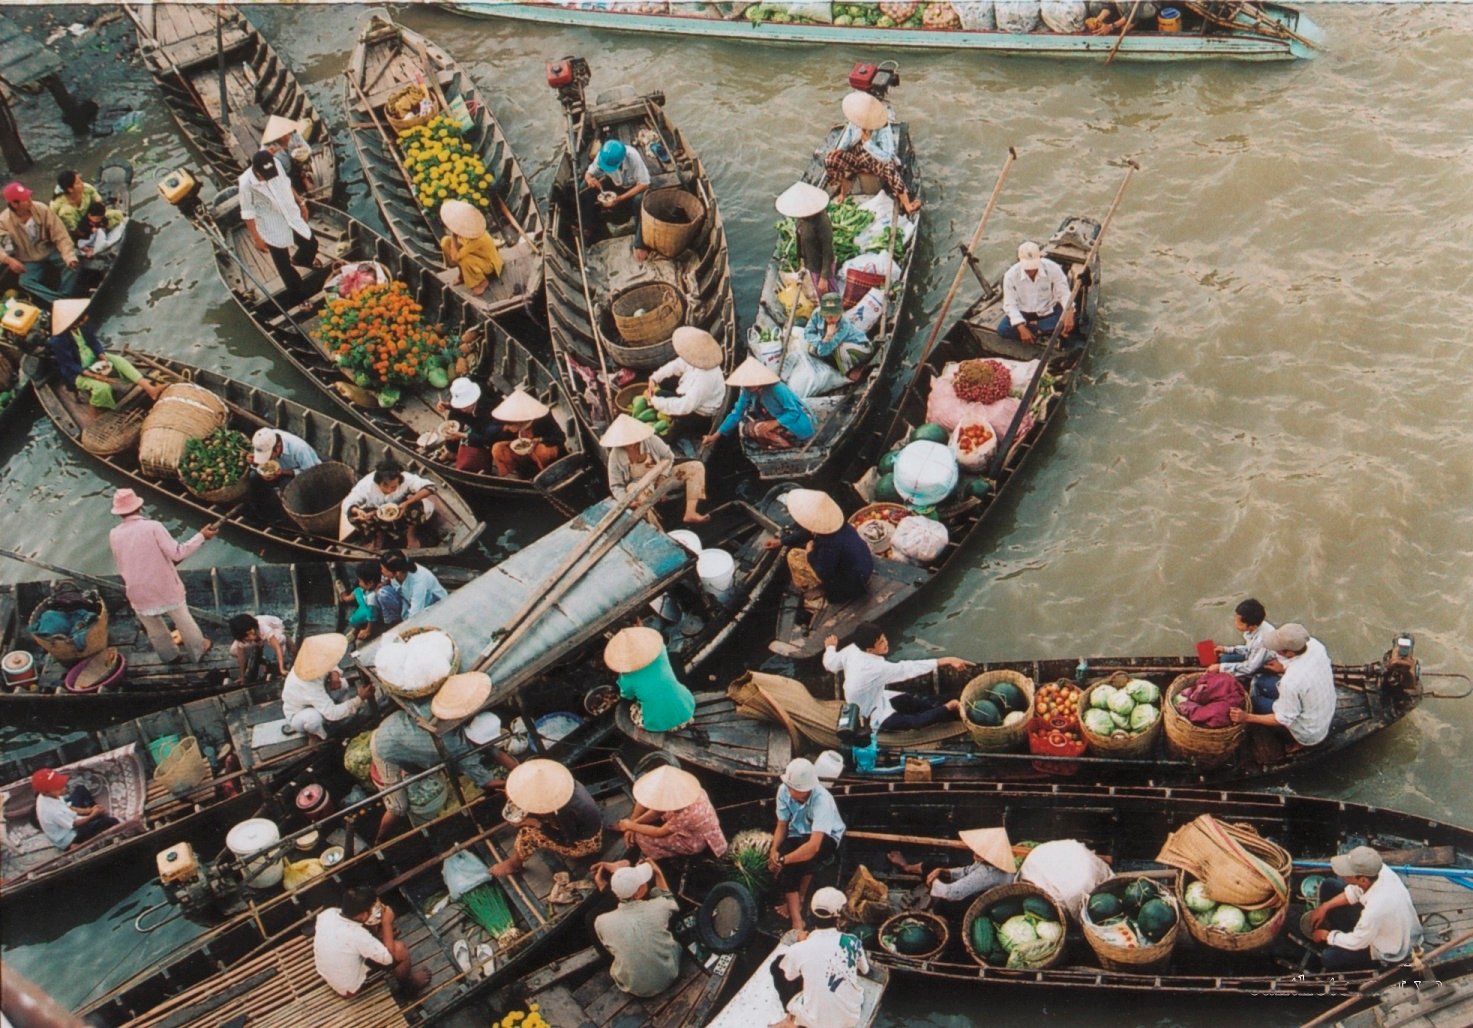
<point x="654" y="759"/>
<point x="706" y="918"/>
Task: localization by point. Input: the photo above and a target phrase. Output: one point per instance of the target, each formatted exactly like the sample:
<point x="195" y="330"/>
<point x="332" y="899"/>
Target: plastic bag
<point x="866" y="313"/>
<point x="1063" y="15"/>
<point x="794" y="291"/>
<point x="462" y="872"/>
<point x="919" y="540"/>
<point x="925" y="473"/>
<point x="870" y="263"/>
<point x="969" y="454"/>
<point x="975" y="15"/>
<point x="1016" y="16"/>
<point x="808" y="375"/>
<point x="765" y="345"/>
<point x="1067" y="870"/>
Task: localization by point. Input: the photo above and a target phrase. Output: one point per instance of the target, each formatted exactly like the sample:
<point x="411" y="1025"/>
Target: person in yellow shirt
<point x="469" y="248"/>
<point x="73" y="197"/>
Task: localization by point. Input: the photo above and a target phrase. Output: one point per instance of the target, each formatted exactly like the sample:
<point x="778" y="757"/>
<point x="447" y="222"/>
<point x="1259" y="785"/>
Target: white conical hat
<point x="866" y="111"/>
<point x="752" y="373"/>
<point x="667" y="788"/>
<point x="539" y="786"/>
<point x="64" y="314"/>
<point x="992" y="845"/>
<point x="518" y="407"/>
<point x="278" y="127"/>
<point x="697" y="347"/>
<point x="633" y="648"/>
<point x="319" y="654"/>
<point x="626" y="431"/>
<point x="463" y="219"/>
<point x="461" y="695"/>
<point x="801" y="200"/>
<point x="815" y="511"/>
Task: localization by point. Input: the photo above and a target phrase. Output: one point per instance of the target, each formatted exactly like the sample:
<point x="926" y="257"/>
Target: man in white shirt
<point x="700" y="390"/>
<point x="343" y="946"/>
<point x="1306" y="704"/>
<point x="1387" y="927"/>
<point x="867" y="672"/>
<point x="827" y="963"/>
<point x="386" y="484"/>
<point x="312" y="697"/>
<point x="275" y="215"/>
<point x="70" y="819"/>
<point x="1035" y="294"/>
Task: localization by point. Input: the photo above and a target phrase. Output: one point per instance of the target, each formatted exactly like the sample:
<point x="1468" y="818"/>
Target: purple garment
<point x="1206" y="702"/>
<point x="145" y="555"/>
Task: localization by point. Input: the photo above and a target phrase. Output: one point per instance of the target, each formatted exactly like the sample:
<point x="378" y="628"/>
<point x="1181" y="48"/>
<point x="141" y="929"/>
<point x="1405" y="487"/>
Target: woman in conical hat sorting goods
<point x="82" y="358"/>
<point x="634" y="450"/>
<point x="672" y="816"/>
<point x="766" y="410"/>
<point x="867" y="147"/>
<point x="469" y="250"/>
<point x="828" y="560"/>
<point x="559" y="815"/>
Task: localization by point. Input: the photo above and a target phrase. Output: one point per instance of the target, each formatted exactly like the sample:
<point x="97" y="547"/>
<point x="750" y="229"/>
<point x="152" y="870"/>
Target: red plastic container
<point x="314" y="802"/>
<point x="1039" y="744"/>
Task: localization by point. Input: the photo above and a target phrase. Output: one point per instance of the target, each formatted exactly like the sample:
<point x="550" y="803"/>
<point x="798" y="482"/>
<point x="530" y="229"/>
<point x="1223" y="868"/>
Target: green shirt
<point x="664" y="702"/>
<point x="71" y="214"/>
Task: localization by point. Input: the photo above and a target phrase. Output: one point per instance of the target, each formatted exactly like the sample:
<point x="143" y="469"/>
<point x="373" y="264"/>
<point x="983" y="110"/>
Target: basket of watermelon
<point x="995" y="707"/>
<point x="1016" y="926"/>
<point x="1131" y="923"/>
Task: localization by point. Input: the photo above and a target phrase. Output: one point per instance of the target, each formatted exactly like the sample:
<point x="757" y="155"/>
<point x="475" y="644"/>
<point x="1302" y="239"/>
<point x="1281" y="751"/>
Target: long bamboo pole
<point x="1129" y="21"/>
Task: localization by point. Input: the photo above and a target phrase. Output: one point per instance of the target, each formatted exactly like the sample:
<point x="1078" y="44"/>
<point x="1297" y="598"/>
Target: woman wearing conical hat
<point x="634" y="450"/>
<point x="469" y="248"/>
<point x="661" y="702"/>
<point x="529" y="439"/>
<point x="672" y="816"/>
<point x="808" y="206"/>
<point x="699" y="391"/>
<point x="766" y="410"/>
<point x="828" y="559"/>
<point x="994" y="865"/>
<point x="867" y="147"/>
<point x="561" y="816"/>
<point x="82" y="358"/>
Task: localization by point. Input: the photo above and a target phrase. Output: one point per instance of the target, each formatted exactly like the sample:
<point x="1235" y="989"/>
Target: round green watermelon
<point x="1155" y="919"/>
<point x="885" y="491"/>
<point x="886" y="465"/>
<point x="985" y="713"/>
<point x="1102" y="906"/>
<point x="930" y="433"/>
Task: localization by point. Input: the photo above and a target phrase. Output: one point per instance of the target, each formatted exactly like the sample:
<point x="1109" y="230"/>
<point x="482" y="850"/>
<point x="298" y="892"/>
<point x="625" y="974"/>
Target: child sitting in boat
<point x="252" y="634"/>
<point x="71" y="818"/>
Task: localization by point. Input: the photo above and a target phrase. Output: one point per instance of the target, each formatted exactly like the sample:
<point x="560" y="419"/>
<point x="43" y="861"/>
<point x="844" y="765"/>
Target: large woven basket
<point x="62" y="648"/>
<point x="225" y="494"/>
<point x="1002" y="892"/>
<point x="312" y="498"/>
<point x="1128" y="746"/>
<point x="399" y="124"/>
<point x="1205" y="747"/>
<point x="426" y="691"/>
<point x="1237" y="865"/>
<point x="937" y="924"/>
<point x="1149" y="956"/>
<point x="670" y="218"/>
<point x="1217" y="938"/>
<point x="997" y="738"/>
<point x="663" y="310"/>
<point x="113" y="431"/>
<point x="185" y="411"/>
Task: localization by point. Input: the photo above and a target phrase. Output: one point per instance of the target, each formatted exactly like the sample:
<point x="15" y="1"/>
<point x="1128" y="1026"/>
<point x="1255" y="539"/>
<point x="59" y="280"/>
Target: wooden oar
<point x="907" y="840"/>
<point x="100" y="583"/>
<point x="1005" y="443"/>
<point x="1129" y="21"/>
<point x="1389" y="975"/>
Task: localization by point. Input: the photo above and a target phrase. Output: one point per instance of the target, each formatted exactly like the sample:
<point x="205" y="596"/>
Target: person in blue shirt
<point x="766" y="409"/>
<point x="418" y="585"/>
<point x="79" y="353"/>
<point x="276" y="458"/>
<point x="377" y="602"/>
<point x="834" y="337"/>
<point x="867" y="147"/>
<point x="806" y="838"/>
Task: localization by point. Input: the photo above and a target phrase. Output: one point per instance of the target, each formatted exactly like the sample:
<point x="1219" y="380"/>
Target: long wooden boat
<point x="1127" y="826"/>
<point x="1369" y="698"/>
<point x="387" y="58"/>
<point x="497" y="358"/>
<point x="250" y="409"/>
<point x="304" y="596"/>
<point x="178" y="43"/>
<point x="757" y="1001"/>
<point x="588" y="274"/>
<point x="839" y="414"/>
<point x="1439" y="994"/>
<point x="17" y="368"/>
<point x="117" y="765"/>
<point x="973" y="336"/>
<point x="1241" y="32"/>
<point x="261" y="964"/>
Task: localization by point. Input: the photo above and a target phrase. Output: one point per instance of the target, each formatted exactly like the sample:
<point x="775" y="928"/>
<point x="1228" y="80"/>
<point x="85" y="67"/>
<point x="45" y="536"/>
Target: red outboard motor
<point x="569" y="76"/>
<point x="875" y="79"/>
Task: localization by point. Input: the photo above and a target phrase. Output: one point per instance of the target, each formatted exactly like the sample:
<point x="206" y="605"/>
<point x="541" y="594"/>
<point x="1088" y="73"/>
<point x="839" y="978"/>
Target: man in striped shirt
<point x="275" y="215"/>
<point x="1306" y="703"/>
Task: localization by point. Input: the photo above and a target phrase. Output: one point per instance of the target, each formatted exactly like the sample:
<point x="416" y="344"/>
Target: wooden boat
<point x="17" y="368"/>
<point x="1370" y="698"/>
<point x="178" y="43"/>
<point x="1128" y="826"/>
<point x="304" y="596"/>
<point x="250" y="409"/>
<point x="261" y="964"/>
<point x="592" y="274"/>
<point x="1436" y="994"/>
<point x="757" y="1001"/>
<point x="117" y="765"/>
<point x="497" y="358"/>
<point x="838" y="414"/>
<point x="387" y="58"/>
<point x="800" y="634"/>
<point x="1244" y="32"/>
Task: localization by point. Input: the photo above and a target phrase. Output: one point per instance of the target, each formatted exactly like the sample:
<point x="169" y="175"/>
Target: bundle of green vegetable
<point x="747" y="855"/>
<point x="215" y="462"/>
<point x="848" y="219"/>
<point x="642" y="410"/>
<point x="486" y="904"/>
<point x="1018" y="931"/>
<point x="1135" y="910"/>
<point x="1129" y="710"/>
<point x="1223" y="916"/>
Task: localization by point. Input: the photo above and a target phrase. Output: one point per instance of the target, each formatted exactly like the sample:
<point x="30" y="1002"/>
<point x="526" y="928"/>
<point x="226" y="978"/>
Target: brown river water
<point x="1277" y="404"/>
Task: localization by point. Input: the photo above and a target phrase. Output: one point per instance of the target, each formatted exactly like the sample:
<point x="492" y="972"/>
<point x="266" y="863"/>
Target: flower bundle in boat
<point x="380" y="341"/>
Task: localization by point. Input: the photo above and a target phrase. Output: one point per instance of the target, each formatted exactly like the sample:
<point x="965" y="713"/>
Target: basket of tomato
<point x="1054" y="729"/>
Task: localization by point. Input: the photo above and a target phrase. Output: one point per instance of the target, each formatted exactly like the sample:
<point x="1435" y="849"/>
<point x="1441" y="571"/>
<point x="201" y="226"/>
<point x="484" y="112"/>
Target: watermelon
<point x="887" y="462"/>
<point x="930" y="433"/>
<point x="978" y="488"/>
<point x="985" y="713"/>
<point x="1137" y="893"/>
<point x="885" y="491"/>
<point x="1004" y="909"/>
<point x="984" y="936"/>
<point x="915" y="937"/>
<point x="1008" y="696"/>
<point x="1102" y="906"/>
<point x="1039" y="907"/>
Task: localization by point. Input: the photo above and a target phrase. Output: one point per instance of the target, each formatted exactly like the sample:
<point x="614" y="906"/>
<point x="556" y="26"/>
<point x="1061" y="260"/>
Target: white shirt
<point x="341" y="950"/>
<point x="830" y="963"/>
<point x="273" y="207"/>
<point x="632" y="170"/>
<point x="867" y="674"/>
<point x="57" y="819"/>
<point x="1388" y="920"/>
<point x="368" y="495"/>
<point x="1306" y="703"/>
<point x="299" y="694"/>
<point x="268" y="627"/>
<point x="701" y="390"/>
<point x="1036" y="295"/>
<point x="1257" y="655"/>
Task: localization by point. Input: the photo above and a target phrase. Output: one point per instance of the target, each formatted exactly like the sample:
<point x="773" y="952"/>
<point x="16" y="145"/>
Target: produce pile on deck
<point x="443" y="165"/>
<point x="379" y="339"/>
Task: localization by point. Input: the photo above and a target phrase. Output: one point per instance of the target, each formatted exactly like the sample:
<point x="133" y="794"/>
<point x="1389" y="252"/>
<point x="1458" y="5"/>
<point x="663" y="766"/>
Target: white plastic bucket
<point x="685" y="537"/>
<point x="247" y="839"/>
<point x="717" y="570"/>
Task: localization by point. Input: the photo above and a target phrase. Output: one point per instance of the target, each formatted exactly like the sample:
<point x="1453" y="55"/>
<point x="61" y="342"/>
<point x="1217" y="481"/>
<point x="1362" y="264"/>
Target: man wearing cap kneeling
<point x="1305" y="707"/>
<point x="275" y="216"/>
<point x="277" y="457"/>
<point x="637" y="934"/>
<point x="530" y="438"/>
<point x="994" y="866"/>
<point x="36" y="239"/>
<point x="1035" y="295"/>
<point x="620" y="170"/>
<point x="806" y="838"/>
<point x="469" y="251"/>
<point x="828" y="559"/>
<point x="82" y="359"/>
<point x="313" y="698"/>
<point x="1387" y="928"/>
<point x="634" y="450"/>
<point x="69" y="818"/>
<point x="835" y="338"/>
<point x="766" y="410"/>
<point x="817" y="978"/>
<point x="700" y="388"/>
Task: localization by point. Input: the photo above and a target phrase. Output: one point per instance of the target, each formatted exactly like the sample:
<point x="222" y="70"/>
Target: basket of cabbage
<point x="1017" y="926"/>
<point x="1223" y="926"/>
<point x="1120" y="716"/>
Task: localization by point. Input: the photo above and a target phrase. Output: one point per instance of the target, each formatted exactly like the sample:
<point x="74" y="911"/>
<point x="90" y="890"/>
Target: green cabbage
<point x="1197" y="899"/>
<point x="1229" y="919"/>
<point x="1049" y="931"/>
<point x="1100" y="698"/>
<point x="1099" y="722"/>
<point x="1143" y="691"/>
<point x="1143" y="717"/>
<point x="1121" y="703"/>
<point x="1256" y="918"/>
<point x="1122" y="721"/>
<point x="1018" y="931"/>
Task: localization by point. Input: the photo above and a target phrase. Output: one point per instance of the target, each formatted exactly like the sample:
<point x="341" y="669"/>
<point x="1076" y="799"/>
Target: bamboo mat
<point x="755" y="693"/>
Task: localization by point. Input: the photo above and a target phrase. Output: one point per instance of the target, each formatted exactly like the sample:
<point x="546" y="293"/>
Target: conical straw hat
<point x="461" y="696"/>
<point x="319" y="655"/>
<point x="64" y="314"/>
<point x="815" y="511"/>
<point x="992" y="845"/>
<point x="633" y="648"/>
<point x="518" y="407"/>
<point x="865" y="111"/>
<point x="539" y="786"/>
<point x="278" y="127"/>
<point x="626" y="431"/>
<point x="667" y="788"/>
<point x="752" y="373"/>
<point x="801" y="200"/>
<point x="697" y="347"/>
<point x="463" y="219"/>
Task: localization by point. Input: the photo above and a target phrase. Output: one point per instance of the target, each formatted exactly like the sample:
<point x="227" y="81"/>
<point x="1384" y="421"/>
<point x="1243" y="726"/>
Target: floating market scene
<point x="764" y="513"/>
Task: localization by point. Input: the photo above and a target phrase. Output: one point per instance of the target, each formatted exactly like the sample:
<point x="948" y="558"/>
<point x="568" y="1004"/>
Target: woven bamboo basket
<point x="113" y="431"/>
<point x="878" y="538"/>
<point x="1002" y="892"/>
<point x="936" y="923"/>
<point x="1205" y="747"/>
<point x="312" y="499"/>
<point x="1129" y="745"/>
<point x="185" y="411"/>
<point x="1145" y="957"/>
<point x="7" y="370"/>
<point x="424" y="692"/>
<point x="62" y="648"/>
<point x="399" y="124"/>
<point x="663" y="310"/>
<point x="670" y="217"/>
<point x="1217" y="938"/>
<point x="997" y="738"/>
<point x="225" y="494"/>
<point x="1206" y="849"/>
<point x="625" y="397"/>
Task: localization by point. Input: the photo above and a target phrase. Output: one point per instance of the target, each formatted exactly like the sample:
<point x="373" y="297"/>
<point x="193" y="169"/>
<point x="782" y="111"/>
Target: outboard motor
<point x="186" y="882"/>
<point x="875" y="79"/>
<point x="569" y="76"/>
<point x="1401" y="671"/>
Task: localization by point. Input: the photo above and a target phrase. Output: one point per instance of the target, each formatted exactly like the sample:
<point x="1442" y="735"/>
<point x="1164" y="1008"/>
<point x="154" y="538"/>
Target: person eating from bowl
<point x="867" y="147"/>
<point x="766" y="410"/>
<point x="469" y="250"/>
<point x="699" y="391"/>
<point x="277" y="457"/>
<point x="313" y="697"/>
<point x="615" y="183"/>
<point x="808" y="206"/>
<point x="559" y="815"/>
<point x="82" y="359"/>
<point x="672" y="816"/>
<point x="828" y="559"/>
<point x="835" y="338"/>
<point x="283" y="138"/>
<point x="347" y="938"/>
<point x="634" y="450"/>
<point x="470" y="429"/>
<point x="405" y="494"/>
<point x="530" y="439"/>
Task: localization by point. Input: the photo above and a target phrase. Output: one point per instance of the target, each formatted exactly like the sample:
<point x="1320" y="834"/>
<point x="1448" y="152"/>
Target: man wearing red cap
<point x="34" y="239"/>
<point x="145" y="554"/>
<point x="69" y="819"/>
